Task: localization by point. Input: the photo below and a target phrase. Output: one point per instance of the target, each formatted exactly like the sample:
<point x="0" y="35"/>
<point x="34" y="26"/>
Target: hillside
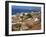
<point x="26" y="21"/>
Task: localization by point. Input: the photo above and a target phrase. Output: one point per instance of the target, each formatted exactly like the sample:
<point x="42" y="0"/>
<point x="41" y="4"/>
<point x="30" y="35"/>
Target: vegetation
<point x="17" y="26"/>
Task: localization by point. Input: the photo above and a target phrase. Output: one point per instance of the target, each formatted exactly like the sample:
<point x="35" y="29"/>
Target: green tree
<point x="28" y="16"/>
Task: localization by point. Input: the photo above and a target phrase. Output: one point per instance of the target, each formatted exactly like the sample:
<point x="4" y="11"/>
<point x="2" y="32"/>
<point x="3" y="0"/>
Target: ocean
<point x="19" y="9"/>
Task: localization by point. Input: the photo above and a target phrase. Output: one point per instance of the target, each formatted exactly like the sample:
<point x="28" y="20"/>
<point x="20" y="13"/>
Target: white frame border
<point x="24" y="32"/>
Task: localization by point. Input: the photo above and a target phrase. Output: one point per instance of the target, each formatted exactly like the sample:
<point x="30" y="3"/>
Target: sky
<point x="19" y="9"/>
